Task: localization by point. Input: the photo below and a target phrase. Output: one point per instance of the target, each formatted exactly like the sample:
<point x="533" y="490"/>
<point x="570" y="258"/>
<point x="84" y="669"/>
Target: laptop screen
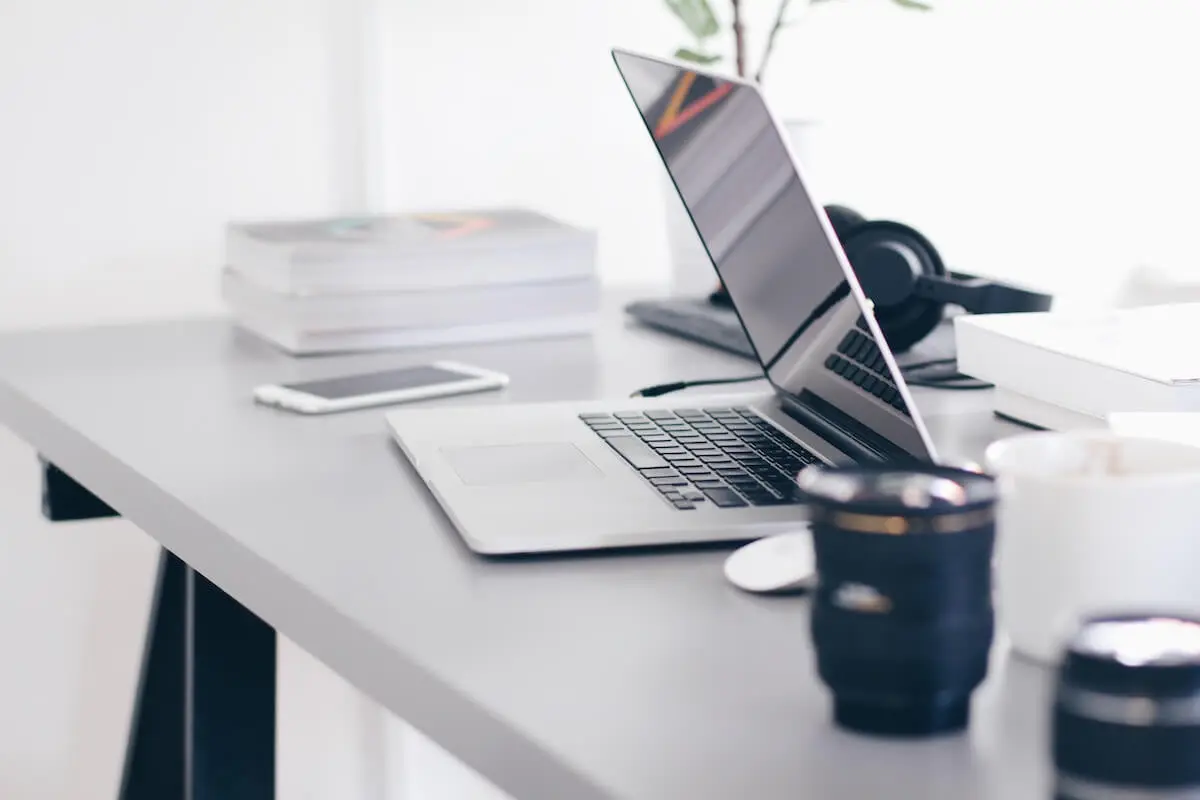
<point x="775" y="253"/>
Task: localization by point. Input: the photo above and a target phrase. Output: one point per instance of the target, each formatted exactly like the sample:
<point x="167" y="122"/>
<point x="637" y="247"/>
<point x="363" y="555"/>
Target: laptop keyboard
<point x="859" y="361"/>
<point x="725" y="457"/>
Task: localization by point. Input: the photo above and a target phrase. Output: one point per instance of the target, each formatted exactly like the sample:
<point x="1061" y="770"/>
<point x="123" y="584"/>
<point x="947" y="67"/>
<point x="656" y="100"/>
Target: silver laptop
<point x="580" y="476"/>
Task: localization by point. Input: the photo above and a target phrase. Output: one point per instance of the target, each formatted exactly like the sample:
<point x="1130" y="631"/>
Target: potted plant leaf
<point x="691" y="269"/>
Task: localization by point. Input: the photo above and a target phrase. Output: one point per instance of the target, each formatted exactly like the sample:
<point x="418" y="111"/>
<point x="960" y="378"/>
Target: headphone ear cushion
<point x="910" y="319"/>
<point x="844" y="220"/>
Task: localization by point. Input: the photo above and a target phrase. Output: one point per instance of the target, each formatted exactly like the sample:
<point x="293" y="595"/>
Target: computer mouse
<point x="779" y="564"/>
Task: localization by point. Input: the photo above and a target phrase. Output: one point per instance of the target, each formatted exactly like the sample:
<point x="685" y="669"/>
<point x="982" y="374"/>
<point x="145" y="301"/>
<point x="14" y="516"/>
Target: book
<point x="409" y="251"/>
<point x="1039" y="414"/>
<point x="299" y="342"/>
<point x="432" y="308"/>
<point x="1090" y="364"/>
<point x="1181" y="427"/>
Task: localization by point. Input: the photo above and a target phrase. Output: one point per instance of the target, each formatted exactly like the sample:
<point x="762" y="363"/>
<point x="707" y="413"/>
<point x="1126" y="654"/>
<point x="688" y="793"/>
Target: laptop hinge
<point x="862" y="445"/>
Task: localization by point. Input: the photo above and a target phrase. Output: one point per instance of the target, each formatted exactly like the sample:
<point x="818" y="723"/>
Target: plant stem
<point x="779" y="23"/>
<point x="739" y="38"/>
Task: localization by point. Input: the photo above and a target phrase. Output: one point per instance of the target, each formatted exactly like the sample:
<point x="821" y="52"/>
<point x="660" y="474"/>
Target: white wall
<point x="1049" y="141"/>
<point x="525" y="106"/>
<point x="132" y="129"/>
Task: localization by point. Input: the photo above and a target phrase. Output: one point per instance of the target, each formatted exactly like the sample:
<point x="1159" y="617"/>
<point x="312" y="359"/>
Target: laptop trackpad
<point x="541" y="462"/>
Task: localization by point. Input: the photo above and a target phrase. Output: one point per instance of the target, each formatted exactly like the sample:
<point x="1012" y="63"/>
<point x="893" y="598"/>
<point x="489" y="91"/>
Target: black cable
<point x="951" y="379"/>
<point x="667" y="388"/>
<point x="952" y="387"/>
<point x="936" y="362"/>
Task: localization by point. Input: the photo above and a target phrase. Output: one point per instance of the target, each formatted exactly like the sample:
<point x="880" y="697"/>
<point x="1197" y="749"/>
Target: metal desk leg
<point x="203" y="723"/>
<point x="154" y="762"/>
<point x="204" y="718"/>
<point x="229" y="721"/>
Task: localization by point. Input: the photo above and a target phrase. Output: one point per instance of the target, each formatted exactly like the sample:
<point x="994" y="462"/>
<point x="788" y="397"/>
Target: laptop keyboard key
<point x="637" y="453"/>
<point x="725" y="498"/>
<point x="768" y="500"/>
<point x="659" y="472"/>
<point x="742" y="480"/>
<point x="669" y="481"/>
<point x="707" y="483"/>
<point x="660" y="415"/>
<point x="683" y="505"/>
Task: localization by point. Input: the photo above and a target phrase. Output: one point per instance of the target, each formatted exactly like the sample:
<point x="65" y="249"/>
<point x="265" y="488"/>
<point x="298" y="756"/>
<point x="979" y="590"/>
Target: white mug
<point x="1092" y="523"/>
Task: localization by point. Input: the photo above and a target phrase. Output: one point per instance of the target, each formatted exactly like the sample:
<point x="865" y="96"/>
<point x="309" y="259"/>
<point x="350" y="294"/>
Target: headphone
<point x="903" y="275"/>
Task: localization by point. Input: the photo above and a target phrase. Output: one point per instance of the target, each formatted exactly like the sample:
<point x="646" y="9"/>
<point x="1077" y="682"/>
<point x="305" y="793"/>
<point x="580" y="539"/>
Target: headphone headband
<point x="980" y="295"/>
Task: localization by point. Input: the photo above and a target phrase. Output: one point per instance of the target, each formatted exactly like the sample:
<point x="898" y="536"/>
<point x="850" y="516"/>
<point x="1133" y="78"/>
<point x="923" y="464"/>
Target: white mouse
<point x="774" y="565"/>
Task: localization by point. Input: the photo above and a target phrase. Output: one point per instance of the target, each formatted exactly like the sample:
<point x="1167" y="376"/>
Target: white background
<point x="1051" y="141"/>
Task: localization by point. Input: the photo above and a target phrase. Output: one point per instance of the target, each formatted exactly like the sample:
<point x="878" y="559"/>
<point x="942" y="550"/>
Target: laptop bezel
<point x="860" y="298"/>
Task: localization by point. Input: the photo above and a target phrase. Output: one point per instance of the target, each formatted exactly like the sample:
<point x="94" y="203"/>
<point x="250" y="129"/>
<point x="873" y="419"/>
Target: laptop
<point x="581" y="476"/>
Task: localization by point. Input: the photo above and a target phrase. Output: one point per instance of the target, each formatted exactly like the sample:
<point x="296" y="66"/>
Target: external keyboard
<point x="696" y="319"/>
<point x="725" y="457"/>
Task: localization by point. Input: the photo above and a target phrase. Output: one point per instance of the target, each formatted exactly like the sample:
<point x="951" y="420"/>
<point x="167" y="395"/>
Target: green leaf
<point x="687" y="54"/>
<point x="915" y="5"/>
<point x="696" y="15"/>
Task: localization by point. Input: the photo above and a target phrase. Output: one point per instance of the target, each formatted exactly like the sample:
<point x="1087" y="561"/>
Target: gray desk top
<point x="632" y="676"/>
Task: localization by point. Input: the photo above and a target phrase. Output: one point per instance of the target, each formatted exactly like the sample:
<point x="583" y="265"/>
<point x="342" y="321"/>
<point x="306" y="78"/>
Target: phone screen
<point x="377" y="382"/>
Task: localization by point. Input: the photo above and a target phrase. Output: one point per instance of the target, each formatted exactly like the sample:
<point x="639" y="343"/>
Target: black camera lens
<point x="902" y="616"/>
<point x="1127" y="710"/>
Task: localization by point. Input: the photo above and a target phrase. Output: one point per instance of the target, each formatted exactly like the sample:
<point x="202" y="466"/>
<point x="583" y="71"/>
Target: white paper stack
<point x="1061" y="370"/>
<point x="366" y="283"/>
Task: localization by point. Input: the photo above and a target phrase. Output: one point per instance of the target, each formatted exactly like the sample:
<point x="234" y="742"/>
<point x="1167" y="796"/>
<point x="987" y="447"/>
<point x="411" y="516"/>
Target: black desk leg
<point x="154" y="762"/>
<point x="229" y="722"/>
<point x="204" y="718"/>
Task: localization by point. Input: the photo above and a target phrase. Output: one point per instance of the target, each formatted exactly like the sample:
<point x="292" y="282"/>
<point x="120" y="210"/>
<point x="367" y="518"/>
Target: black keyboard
<point x="696" y="319"/>
<point x="726" y="457"/>
<point x="859" y="361"/>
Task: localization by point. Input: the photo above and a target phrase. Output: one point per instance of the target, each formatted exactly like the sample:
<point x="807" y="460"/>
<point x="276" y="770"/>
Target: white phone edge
<point x="304" y="403"/>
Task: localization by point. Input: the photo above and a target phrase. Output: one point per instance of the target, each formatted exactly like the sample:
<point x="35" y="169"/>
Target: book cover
<point x="411" y="231"/>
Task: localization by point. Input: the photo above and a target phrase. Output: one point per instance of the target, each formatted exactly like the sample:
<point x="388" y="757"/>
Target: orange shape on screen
<point x="677" y="114"/>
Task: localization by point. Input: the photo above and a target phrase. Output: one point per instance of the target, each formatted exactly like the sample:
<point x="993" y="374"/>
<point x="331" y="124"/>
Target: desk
<point x="641" y="677"/>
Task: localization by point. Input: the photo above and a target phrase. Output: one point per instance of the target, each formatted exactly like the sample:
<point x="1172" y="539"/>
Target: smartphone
<point x="350" y="392"/>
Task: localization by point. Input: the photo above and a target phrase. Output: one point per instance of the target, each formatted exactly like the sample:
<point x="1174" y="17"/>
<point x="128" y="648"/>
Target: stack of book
<point x="365" y="283"/>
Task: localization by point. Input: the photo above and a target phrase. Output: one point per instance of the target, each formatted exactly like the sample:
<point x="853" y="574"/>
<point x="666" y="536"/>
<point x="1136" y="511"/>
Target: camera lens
<point x="1127" y="710"/>
<point x="902" y="616"/>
